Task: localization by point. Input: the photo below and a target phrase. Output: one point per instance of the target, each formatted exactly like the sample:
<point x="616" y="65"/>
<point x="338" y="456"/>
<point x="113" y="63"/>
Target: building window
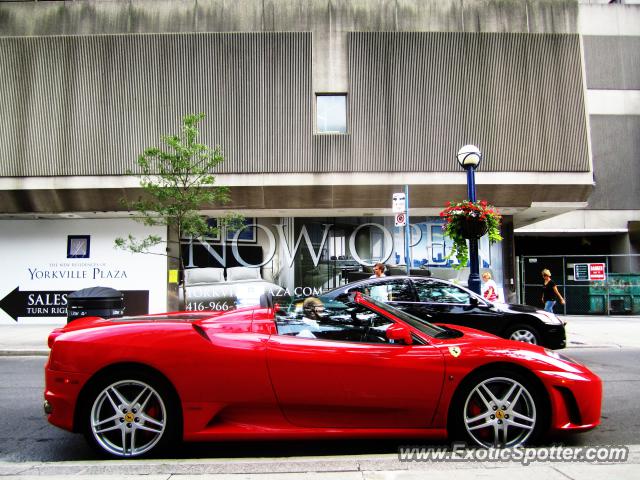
<point x="331" y="111"/>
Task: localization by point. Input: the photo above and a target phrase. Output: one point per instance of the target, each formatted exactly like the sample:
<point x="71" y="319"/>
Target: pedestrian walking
<point x="550" y="292"/>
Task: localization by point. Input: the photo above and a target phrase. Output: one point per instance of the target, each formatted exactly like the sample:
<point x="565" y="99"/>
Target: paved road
<point x="25" y="436"/>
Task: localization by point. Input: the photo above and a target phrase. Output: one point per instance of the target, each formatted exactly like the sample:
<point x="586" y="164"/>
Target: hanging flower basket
<point x="469" y="220"/>
<point x="472" y="228"/>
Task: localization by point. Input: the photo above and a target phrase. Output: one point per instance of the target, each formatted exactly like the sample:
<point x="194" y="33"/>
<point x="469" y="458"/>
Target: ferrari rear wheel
<point x="130" y="416"/>
<point x="500" y="410"/>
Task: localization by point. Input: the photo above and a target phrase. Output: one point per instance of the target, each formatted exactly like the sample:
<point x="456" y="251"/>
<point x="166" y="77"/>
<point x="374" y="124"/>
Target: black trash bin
<point x="95" y="302"/>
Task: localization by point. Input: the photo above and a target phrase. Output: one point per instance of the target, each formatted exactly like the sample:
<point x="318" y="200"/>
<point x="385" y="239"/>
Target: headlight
<point x="548" y="317"/>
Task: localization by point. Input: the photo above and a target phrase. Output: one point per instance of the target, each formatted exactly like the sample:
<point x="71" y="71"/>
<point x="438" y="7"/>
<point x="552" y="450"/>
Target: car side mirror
<point x="473" y="301"/>
<point x="398" y="332"/>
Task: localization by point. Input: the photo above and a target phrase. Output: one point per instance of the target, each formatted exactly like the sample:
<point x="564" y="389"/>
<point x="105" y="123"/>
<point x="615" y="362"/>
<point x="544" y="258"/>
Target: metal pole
<point x="606" y="286"/>
<point x="564" y="283"/>
<point x="519" y="276"/>
<point x="474" y="262"/>
<point x="471" y="184"/>
<point x="407" y="230"/>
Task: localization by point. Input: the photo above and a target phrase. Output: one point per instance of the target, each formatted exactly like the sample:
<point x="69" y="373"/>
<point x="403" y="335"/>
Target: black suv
<point x="439" y="301"/>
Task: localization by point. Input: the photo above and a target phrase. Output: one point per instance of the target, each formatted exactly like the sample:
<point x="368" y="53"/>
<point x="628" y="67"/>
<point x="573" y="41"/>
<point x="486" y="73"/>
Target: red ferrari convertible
<point x="308" y="371"/>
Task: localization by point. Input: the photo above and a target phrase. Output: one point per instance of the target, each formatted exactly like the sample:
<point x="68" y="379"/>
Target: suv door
<point x="443" y="302"/>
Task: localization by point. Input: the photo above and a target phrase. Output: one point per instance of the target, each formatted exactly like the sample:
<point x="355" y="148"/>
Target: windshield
<point x="340" y="312"/>
<point x="417" y="323"/>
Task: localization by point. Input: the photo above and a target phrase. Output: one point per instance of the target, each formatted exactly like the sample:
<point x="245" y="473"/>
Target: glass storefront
<point x="307" y="256"/>
<point x="346" y="246"/>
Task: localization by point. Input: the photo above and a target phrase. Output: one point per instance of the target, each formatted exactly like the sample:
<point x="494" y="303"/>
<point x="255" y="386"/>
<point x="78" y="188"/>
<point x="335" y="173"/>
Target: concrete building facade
<point x="548" y="90"/>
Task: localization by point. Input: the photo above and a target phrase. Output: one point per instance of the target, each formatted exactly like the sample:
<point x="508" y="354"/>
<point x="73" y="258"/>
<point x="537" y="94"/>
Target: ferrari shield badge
<point x="455" y="351"/>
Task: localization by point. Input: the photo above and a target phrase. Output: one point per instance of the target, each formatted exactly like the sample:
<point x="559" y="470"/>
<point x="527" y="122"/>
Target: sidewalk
<point x="582" y="332"/>
<point x="21" y="340"/>
<point x="351" y="467"/>
<point x="603" y="331"/>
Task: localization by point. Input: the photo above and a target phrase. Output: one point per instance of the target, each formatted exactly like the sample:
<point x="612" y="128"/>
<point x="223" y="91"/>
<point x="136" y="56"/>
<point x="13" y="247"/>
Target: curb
<point x="24" y="353"/>
<point x="592" y="345"/>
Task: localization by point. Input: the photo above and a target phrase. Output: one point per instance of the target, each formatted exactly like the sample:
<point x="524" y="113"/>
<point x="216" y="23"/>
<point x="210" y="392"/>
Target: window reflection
<point x="440" y="293"/>
<point x="437" y="244"/>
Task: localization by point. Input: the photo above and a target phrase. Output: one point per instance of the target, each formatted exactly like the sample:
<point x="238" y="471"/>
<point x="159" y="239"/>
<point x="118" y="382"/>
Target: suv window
<point x="436" y="292"/>
<point x="384" y="290"/>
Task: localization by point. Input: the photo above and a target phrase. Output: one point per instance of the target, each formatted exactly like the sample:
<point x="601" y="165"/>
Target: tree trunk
<point x="173" y="289"/>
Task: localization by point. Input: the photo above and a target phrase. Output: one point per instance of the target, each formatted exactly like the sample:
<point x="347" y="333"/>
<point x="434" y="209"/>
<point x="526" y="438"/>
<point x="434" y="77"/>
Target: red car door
<point x="347" y="384"/>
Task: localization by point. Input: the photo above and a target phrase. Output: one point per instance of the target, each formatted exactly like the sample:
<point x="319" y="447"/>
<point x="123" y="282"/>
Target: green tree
<point x="177" y="183"/>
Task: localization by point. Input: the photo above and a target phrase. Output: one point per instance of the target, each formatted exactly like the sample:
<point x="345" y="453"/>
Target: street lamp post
<point x="469" y="158"/>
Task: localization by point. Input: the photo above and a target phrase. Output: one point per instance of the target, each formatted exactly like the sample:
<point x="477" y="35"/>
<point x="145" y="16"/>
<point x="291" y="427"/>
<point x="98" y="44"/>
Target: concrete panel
<point x="95" y="17"/>
<point x="245" y="198"/>
<point x="411" y="102"/>
<point x="91" y="104"/>
<point x="612" y="62"/>
<point x="363" y="15"/>
<point x="329" y="20"/>
<point x="157" y="16"/>
<point x="300" y="198"/>
<point x="616" y="150"/>
<point x="495" y="16"/>
<point x="587" y="220"/>
<point x="552" y="16"/>
<point x="294" y="15"/>
<point x="613" y="102"/>
<point x="609" y="19"/>
<point x="417" y="97"/>
<point x="225" y="16"/>
<point x="421" y="16"/>
<point x="161" y="16"/>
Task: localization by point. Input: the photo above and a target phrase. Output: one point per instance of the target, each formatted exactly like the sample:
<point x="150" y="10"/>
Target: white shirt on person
<point x="490" y="284"/>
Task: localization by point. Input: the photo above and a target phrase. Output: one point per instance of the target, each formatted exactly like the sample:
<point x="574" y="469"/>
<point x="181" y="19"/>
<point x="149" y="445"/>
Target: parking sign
<point x="398" y="205"/>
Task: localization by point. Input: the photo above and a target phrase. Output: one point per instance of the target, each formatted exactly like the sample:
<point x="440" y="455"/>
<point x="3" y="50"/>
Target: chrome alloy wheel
<point x="128" y="418"/>
<point x="524" y="335"/>
<point x="499" y="412"/>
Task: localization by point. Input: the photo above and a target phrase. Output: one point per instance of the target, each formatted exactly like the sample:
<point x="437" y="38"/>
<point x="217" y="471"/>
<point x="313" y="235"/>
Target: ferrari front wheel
<point x="501" y="409"/>
<point x="130" y="416"/>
